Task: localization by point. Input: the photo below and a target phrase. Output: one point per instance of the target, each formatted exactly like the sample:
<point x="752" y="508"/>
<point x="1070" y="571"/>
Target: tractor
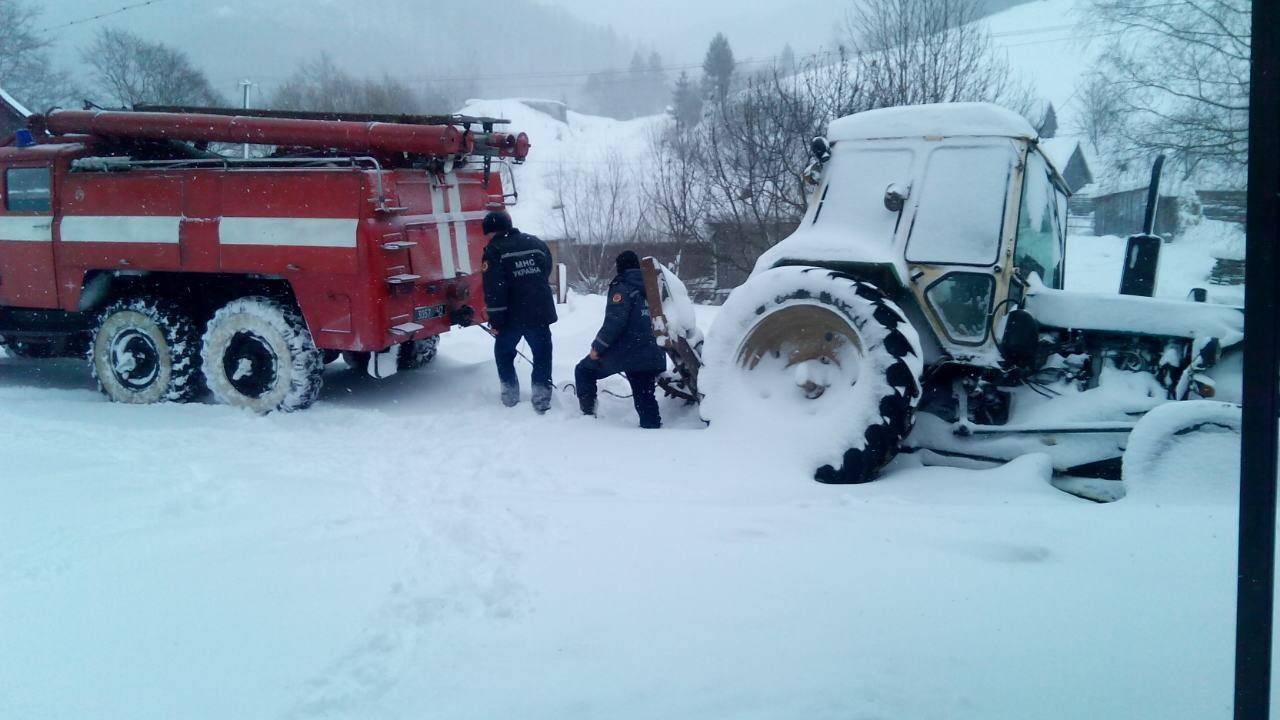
<point x="920" y="306"/>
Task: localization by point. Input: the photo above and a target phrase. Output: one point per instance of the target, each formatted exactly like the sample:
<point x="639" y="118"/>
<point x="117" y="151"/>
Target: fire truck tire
<point x="356" y="360"/>
<point x="259" y="354"/>
<point x="810" y="335"/>
<point x="146" y="351"/>
<point x="417" y="353"/>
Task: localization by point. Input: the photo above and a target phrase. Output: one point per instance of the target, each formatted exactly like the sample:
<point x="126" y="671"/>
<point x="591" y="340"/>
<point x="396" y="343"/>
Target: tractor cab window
<point x="853" y="200"/>
<point x="1040" y="220"/>
<point x="961" y="206"/>
<point x="26" y="190"/>
<point x="963" y="302"/>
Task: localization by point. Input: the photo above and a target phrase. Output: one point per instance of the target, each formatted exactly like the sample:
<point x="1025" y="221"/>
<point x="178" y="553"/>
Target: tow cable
<point x="567" y="387"/>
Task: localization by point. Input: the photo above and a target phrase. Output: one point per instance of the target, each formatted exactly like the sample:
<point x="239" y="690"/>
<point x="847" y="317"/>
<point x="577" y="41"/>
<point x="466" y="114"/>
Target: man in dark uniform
<point x="625" y="343"/>
<point x="517" y="292"/>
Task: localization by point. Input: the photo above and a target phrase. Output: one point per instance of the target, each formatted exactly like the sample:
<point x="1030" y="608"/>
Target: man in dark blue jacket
<point x="517" y="292"/>
<point x="626" y="344"/>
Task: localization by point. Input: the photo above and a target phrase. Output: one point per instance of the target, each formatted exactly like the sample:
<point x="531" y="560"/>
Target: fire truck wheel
<point x="258" y="354"/>
<point x="417" y="353"/>
<point x="356" y="360"/>
<point x="145" y="351"/>
<point x="330" y="356"/>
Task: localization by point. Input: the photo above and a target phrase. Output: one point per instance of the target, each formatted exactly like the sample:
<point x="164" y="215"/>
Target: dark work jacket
<point x="517" y="290"/>
<point x="625" y="341"/>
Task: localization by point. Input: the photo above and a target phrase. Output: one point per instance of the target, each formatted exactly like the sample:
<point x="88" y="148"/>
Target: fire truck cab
<point x="126" y="237"/>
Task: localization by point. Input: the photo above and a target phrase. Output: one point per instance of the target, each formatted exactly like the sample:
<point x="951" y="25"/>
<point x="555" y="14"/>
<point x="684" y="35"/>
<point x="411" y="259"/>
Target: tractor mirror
<point x="1021" y="340"/>
<point x="820" y="149"/>
<point x="1141" y="259"/>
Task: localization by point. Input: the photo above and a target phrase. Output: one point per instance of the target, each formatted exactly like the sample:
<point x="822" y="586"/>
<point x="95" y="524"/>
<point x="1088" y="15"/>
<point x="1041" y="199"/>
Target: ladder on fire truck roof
<point x="486" y="123"/>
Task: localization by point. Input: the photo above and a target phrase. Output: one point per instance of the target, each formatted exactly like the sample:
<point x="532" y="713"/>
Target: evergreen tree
<point x="686" y="102"/>
<point x="635" y="98"/>
<point x="655" y="84"/>
<point x="717" y="68"/>
<point x="787" y="60"/>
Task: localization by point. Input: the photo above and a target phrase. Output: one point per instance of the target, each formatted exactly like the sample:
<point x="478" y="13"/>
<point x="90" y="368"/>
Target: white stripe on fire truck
<point x="26" y="228"/>
<point x="290" y="232"/>
<point x="459" y="228"/>
<point x="442" y="233"/>
<point x="162" y="229"/>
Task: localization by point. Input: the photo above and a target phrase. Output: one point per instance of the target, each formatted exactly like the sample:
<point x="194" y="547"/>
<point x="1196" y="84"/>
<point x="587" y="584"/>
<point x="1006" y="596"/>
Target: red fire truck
<point x="127" y="238"/>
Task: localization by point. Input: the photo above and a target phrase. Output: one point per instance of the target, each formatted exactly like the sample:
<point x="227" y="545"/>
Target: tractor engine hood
<point x="1134" y="315"/>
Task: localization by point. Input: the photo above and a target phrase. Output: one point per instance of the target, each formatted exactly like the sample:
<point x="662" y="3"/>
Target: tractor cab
<point x="950" y="209"/>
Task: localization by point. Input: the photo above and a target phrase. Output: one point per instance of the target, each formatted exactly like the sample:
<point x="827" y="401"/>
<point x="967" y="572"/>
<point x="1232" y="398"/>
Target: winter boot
<point x="642" y="394"/>
<point x="541" y="398"/>
<point x="511" y="394"/>
<point x="587" y="404"/>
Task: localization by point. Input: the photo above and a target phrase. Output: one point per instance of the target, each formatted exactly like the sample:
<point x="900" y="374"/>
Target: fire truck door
<point x="26" y="239"/>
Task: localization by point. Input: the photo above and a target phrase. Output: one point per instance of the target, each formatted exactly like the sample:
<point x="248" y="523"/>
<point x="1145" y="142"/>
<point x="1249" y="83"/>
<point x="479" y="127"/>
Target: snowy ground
<point x="410" y="549"/>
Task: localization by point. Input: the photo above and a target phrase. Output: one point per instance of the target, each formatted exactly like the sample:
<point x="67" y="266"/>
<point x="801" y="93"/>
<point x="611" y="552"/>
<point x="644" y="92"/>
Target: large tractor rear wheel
<point x="258" y="354"/>
<point x="822" y="359"/>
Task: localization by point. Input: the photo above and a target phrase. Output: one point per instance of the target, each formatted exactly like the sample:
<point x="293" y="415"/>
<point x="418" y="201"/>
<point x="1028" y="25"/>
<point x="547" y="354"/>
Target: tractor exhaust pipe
<point x="1153" y="196"/>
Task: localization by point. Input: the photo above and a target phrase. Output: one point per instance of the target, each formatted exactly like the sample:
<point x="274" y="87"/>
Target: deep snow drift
<point x="409" y="548"/>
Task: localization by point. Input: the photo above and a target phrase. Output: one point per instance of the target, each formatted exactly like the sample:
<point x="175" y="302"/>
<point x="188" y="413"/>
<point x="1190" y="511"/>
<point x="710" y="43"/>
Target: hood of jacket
<point x="632" y="278"/>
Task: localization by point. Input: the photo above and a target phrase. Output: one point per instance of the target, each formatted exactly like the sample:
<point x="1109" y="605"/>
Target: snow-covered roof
<point x="944" y="120"/>
<point x="1059" y="150"/>
<point x="17" y="107"/>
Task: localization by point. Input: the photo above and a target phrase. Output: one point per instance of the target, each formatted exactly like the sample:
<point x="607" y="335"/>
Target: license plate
<point x="429" y="312"/>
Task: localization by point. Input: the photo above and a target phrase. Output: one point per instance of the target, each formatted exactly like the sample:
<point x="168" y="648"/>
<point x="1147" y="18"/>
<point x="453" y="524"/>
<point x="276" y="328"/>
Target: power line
<point x="100" y="16"/>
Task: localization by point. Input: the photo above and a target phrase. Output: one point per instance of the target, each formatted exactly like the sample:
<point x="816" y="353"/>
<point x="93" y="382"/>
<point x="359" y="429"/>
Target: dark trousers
<point x="504" y="353"/>
<point x="589" y="372"/>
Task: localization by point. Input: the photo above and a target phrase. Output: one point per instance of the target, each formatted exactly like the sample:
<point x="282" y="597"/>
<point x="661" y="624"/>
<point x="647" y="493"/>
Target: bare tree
<point x="929" y="51"/>
<point x="675" y="191"/>
<point x="320" y="85"/>
<point x="735" y="179"/>
<point x="602" y="209"/>
<point x="1180" y="75"/>
<point x="136" y="71"/>
<point x="1099" y="108"/>
<point x="26" y="71"/>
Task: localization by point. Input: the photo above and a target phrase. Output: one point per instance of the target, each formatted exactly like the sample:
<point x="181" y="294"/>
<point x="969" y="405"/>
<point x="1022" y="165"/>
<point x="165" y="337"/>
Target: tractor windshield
<point x="960" y="208"/>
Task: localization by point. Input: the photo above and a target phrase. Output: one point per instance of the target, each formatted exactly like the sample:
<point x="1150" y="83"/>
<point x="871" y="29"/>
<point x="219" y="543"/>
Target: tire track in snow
<point x="464" y="565"/>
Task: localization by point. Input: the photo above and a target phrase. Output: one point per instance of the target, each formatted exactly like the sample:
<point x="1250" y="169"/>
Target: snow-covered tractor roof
<point x="941" y="120"/>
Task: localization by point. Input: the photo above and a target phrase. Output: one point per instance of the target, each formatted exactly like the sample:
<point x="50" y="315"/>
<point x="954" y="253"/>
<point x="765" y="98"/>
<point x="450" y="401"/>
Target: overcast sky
<point x="681" y="29"/>
<point x="419" y="40"/>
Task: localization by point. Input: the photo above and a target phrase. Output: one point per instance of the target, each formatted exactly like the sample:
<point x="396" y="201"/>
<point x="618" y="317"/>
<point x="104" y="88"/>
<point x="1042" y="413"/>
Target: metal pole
<point x="244" y="87"/>
<point x="1258" y="447"/>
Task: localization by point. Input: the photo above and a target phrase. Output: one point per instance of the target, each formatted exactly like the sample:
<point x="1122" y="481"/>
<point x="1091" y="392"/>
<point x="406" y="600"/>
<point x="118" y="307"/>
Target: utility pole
<point x="244" y="87"/>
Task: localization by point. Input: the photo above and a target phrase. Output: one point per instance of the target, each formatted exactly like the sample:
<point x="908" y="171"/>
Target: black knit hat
<point x="495" y="222"/>
<point x="627" y="260"/>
